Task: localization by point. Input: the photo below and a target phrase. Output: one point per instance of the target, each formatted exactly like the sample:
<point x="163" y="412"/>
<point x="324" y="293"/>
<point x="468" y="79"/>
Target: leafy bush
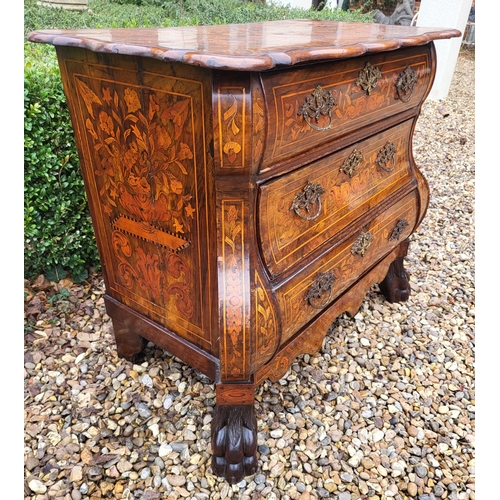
<point x="148" y="13"/>
<point x="101" y="14"/>
<point x="57" y="227"/>
<point x="58" y="230"/>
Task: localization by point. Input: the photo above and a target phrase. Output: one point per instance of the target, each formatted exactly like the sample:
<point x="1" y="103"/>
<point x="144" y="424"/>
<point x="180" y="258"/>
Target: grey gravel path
<point x="385" y="410"/>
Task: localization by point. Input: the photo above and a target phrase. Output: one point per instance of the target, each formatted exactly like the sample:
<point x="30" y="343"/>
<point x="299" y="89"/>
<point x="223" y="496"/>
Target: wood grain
<point x="287" y="238"/>
<point x="345" y="265"/>
<point x="354" y="109"/>
<point x="248" y="47"/>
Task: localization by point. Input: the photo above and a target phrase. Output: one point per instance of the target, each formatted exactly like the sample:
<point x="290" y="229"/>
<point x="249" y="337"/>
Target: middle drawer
<point x="301" y="210"/>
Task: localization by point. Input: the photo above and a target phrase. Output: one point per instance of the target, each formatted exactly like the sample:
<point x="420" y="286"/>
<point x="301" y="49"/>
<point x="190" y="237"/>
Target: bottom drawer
<point x="315" y="287"/>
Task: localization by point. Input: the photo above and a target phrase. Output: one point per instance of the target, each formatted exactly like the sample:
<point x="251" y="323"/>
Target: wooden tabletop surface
<point x="252" y="46"/>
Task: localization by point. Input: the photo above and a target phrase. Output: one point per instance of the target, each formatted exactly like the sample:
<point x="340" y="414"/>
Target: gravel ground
<point x="385" y="410"/>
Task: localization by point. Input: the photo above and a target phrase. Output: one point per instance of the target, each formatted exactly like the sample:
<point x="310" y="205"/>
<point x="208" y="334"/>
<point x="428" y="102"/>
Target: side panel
<point x="143" y="143"/>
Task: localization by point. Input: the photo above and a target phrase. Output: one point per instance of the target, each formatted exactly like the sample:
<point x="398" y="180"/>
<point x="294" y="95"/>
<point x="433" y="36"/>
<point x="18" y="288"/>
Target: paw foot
<point x="396" y="285"/>
<point x="234" y="442"/>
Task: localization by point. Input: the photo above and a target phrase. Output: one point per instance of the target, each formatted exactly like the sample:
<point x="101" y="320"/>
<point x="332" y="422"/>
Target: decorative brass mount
<point x="361" y="245"/>
<point x="352" y="163"/>
<point x="320" y="103"/>
<point x="398" y="229"/>
<point x="305" y="199"/>
<point x="405" y="84"/>
<point x="322" y="284"/>
<point x="385" y="155"/>
<point x="368" y="78"/>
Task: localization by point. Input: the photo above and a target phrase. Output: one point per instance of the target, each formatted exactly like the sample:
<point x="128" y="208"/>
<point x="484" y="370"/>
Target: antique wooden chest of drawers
<point x="247" y="184"/>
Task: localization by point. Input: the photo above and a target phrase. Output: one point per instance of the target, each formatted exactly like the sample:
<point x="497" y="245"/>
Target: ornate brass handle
<point x="398" y="229"/>
<point x="406" y="83"/>
<point x="368" y="78"/>
<point x="320" y="103"/>
<point x="361" y="245"/>
<point x="387" y="155"/>
<point x="307" y="199"/>
<point x="352" y="163"/>
<point x="322" y="284"/>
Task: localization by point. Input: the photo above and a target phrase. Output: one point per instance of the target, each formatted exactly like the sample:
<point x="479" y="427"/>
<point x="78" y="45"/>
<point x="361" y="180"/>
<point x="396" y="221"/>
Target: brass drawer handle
<point x="398" y="229"/>
<point x="306" y="199"/>
<point x="361" y="245"/>
<point x="406" y="83"/>
<point x="320" y="103"/>
<point x="322" y="284"/>
<point x="352" y="163"/>
<point x="368" y="78"/>
<point x="387" y="155"/>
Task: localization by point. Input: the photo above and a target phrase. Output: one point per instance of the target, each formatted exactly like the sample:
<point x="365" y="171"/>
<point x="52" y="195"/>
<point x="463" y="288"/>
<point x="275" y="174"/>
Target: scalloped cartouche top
<point x="248" y="47"/>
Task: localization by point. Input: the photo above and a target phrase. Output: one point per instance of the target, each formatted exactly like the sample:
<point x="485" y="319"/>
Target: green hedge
<point x="58" y="233"/>
<point x="57" y="227"/>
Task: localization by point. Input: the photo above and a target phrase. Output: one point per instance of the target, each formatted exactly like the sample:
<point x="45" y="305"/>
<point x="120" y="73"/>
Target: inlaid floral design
<point x="158" y="281"/>
<point x="234" y="307"/>
<point x="142" y="157"/>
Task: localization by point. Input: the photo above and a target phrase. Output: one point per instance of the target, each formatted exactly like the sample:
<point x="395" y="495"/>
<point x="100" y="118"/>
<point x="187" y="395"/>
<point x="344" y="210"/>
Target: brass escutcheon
<point x="322" y="284"/>
<point x="398" y="229"/>
<point x="361" y="245"/>
<point x="368" y="78"/>
<point x="306" y="199"/>
<point x="405" y="84"/>
<point x="352" y="163"/>
<point x="320" y="103"/>
<point x="387" y="155"/>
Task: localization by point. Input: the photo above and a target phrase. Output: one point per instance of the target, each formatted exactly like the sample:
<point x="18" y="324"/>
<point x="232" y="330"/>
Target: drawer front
<point x="311" y="106"/>
<point x="316" y="287"/>
<point x="301" y="210"/>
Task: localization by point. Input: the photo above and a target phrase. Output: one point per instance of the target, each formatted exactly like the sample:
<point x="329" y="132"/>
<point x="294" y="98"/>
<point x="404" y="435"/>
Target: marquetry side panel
<point x="142" y="145"/>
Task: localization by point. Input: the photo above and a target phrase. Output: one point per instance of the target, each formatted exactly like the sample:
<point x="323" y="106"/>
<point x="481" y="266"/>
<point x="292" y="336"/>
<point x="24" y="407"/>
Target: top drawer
<point x="310" y="106"/>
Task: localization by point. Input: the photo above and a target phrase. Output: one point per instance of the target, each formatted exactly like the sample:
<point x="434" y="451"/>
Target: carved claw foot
<point x="396" y="285"/>
<point x="234" y="442"/>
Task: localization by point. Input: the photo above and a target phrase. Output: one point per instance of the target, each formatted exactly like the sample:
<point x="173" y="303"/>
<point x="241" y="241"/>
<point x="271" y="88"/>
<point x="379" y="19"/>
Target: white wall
<point x="444" y="14"/>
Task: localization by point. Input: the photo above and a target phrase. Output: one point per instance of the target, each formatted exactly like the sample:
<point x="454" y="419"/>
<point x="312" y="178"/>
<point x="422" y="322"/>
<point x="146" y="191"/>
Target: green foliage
<point x="242" y="11"/>
<point x="61" y="295"/>
<point x="101" y="14"/>
<point x="57" y="229"/>
<point x="151" y="13"/>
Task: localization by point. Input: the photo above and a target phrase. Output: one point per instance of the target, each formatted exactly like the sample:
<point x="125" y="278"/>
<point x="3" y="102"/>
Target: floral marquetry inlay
<point x="234" y="308"/>
<point x="142" y="159"/>
<point x="168" y="280"/>
<point x="231" y="115"/>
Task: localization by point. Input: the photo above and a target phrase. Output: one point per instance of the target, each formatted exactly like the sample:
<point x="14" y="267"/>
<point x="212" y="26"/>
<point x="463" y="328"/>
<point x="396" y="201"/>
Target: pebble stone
<point x="384" y="410"/>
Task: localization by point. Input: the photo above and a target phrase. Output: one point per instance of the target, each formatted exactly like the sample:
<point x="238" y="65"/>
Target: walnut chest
<point x="247" y="184"/>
